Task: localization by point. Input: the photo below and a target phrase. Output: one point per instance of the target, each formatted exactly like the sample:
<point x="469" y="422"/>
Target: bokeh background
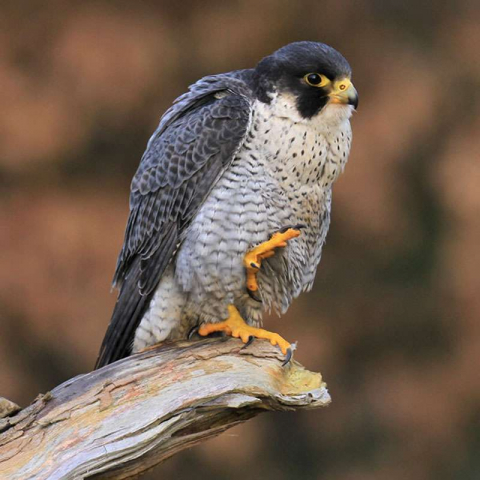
<point x="394" y="320"/>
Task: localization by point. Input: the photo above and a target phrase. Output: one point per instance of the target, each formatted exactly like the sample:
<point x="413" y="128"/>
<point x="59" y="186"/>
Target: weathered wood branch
<point x="129" y="416"/>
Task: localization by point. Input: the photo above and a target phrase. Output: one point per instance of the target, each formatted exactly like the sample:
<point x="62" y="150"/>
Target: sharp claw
<point x="255" y="265"/>
<point x="288" y="357"/>
<point x="294" y="227"/>
<point x="193" y="331"/>
<point x="253" y="296"/>
<point x="251" y="338"/>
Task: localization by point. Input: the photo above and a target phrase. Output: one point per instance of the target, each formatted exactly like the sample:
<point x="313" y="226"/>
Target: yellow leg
<point x="253" y="258"/>
<point x="236" y="327"/>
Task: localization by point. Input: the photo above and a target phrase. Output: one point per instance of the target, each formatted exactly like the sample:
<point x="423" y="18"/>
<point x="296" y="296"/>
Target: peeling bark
<point x="127" y="417"/>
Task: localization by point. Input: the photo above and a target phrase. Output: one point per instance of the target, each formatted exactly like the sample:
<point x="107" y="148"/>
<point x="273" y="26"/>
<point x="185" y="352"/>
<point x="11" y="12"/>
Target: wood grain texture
<point x="127" y="417"/>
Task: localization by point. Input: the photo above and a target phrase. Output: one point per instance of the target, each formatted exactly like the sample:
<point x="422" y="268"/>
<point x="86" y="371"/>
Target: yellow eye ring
<point x="316" y="79"/>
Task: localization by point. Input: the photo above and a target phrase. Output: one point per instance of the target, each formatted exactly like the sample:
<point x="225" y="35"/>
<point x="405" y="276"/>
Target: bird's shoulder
<point x="211" y="118"/>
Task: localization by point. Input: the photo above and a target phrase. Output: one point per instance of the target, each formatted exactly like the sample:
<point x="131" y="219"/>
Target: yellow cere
<point x="343" y="84"/>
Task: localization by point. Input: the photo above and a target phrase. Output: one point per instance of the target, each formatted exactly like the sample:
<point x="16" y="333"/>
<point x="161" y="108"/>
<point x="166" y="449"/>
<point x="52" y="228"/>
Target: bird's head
<point x="314" y="74"/>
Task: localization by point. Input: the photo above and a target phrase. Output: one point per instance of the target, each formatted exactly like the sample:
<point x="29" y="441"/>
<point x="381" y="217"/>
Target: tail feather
<point x="136" y="291"/>
<point x="128" y="312"/>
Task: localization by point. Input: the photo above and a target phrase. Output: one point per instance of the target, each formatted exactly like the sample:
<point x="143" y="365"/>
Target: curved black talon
<point x="193" y="331"/>
<point x="288" y="357"/>
<point x="250" y="340"/>
<point x="294" y="227"/>
<point x="253" y="296"/>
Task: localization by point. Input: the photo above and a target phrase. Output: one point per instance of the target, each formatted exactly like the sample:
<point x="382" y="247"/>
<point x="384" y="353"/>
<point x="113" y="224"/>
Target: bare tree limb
<point x="129" y="416"/>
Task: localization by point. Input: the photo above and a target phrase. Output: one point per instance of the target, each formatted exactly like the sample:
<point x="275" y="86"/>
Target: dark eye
<point x="316" y="79"/>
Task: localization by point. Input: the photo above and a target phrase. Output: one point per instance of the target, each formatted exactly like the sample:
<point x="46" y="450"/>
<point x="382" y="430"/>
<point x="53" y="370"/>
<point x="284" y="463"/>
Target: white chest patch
<point x="302" y="151"/>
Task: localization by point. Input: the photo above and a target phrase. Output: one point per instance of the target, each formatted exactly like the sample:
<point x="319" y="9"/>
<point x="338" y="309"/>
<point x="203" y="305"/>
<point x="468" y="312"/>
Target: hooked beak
<point x="343" y="92"/>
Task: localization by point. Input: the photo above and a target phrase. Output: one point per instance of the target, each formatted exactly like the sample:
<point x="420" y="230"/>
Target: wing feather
<point x="195" y="142"/>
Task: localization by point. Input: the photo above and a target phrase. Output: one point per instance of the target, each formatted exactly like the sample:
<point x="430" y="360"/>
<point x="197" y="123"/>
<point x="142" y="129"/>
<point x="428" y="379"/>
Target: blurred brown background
<point x="394" y="320"/>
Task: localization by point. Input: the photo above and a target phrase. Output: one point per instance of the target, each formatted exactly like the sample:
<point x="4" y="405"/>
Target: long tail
<point x="136" y="291"/>
<point x="127" y="314"/>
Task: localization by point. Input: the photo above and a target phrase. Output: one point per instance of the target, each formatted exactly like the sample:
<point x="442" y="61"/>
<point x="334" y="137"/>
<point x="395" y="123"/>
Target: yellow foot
<point x="236" y="327"/>
<point x="253" y="258"/>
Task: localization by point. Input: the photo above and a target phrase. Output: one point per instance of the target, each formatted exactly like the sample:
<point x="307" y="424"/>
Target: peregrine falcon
<point x="230" y="205"/>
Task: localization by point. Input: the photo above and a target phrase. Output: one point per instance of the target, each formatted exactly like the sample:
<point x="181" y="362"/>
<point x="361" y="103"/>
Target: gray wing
<point x="195" y="142"/>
